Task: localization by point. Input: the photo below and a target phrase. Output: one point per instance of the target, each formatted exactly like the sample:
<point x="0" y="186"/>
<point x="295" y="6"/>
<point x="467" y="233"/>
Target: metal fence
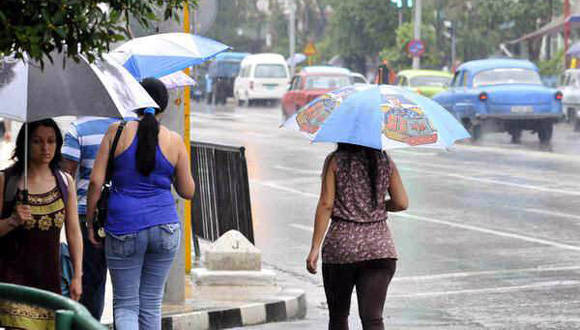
<point x="222" y="197"/>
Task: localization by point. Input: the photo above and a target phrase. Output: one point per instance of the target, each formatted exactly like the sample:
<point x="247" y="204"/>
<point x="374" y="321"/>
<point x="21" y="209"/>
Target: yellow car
<point x="424" y="82"/>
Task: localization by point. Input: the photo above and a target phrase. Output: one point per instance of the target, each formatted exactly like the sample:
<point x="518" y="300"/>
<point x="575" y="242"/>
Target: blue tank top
<point x="138" y="202"/>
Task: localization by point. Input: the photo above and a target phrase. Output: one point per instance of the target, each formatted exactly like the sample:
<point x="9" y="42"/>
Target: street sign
<point x="310" y="50"/>
<point x="416" y="47"/>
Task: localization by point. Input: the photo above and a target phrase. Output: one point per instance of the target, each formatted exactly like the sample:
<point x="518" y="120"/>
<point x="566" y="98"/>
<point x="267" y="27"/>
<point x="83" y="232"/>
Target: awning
<point x="556" y="25"/>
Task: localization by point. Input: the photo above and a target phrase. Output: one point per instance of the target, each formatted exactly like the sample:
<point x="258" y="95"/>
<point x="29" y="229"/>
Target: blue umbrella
<point x="380" y="117"/>
<point x="161" y="54"/>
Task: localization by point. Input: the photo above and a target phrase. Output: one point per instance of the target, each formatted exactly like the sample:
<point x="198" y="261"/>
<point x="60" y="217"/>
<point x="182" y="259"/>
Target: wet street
<point x="490" y="240"/>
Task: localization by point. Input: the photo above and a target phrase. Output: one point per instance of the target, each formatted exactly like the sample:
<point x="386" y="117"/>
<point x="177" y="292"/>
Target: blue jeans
<point x="139" y="264"/>
<point x="94" y="274"/>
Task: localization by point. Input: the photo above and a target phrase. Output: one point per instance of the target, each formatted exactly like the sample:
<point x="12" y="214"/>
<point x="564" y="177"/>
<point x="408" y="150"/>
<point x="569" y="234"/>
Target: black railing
<point x="222" y="196"/>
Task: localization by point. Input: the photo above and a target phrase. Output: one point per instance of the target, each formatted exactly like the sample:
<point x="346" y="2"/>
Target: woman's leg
<point x="338" y="284"/>
<point x="125" y="260"/>
<point x="163" y="243"/>
<point x="372" y="281"/>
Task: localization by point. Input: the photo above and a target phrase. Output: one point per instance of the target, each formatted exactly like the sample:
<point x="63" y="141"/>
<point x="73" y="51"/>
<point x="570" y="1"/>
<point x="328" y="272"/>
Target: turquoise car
<point x="502" y="95"/>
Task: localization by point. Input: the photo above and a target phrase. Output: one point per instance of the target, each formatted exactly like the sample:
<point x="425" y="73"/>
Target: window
<point x="506" y="77"/>
<point x="326" y="82"/>
<point x="433" y="81"/>
<point x="295" y="83"/>
<point x="270" y="71"/>
<point x="458" y="79"/>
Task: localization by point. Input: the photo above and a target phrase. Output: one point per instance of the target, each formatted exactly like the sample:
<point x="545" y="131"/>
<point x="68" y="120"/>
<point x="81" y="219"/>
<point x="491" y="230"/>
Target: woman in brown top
<point x="29" y="234"/>
<point x="358" y="248"/>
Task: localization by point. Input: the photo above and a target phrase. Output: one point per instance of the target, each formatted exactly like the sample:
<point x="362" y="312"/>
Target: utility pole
<point x="417" y="32"/>
<point x="292" y="35"/>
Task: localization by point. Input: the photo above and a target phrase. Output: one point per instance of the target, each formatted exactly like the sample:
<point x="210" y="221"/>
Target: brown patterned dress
<point x="30" y="253"/>
<point x="358" y="230"/>
<point x="30" y="256"/>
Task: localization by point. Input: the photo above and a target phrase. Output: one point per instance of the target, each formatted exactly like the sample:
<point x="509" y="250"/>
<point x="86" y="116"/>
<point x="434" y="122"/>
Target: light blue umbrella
<point x="161" y="54"/>
<point x="379" y="117"/>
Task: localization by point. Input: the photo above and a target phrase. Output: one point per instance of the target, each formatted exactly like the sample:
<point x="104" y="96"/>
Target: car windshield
<point x="228" y="69"/>
<point x="358" y="80"/>
<point x="270" y="71"/>
<point x="506" y="77"/>
<point x="432" y="81"/>
<point x="326" y="82"/>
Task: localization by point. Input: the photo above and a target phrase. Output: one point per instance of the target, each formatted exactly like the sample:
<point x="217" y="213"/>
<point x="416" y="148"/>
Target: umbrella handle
<point x="24" y="197"/>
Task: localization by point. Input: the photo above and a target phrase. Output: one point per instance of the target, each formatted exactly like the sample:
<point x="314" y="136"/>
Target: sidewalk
<point x="226" y="309"/>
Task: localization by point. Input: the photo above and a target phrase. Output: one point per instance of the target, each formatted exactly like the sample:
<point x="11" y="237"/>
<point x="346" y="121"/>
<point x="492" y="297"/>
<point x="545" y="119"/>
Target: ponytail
<point x="147" y="141"/>
<point x="148" y="131"/>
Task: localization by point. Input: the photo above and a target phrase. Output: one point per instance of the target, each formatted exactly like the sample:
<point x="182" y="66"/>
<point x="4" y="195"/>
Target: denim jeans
<point x="94" y="274"/>
<point x="139" y="264"/>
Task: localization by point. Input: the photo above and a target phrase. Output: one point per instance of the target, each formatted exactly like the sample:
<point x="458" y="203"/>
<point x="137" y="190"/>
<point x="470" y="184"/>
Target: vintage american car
<point x="424" y="82"/>
<point x="502" y="95"/>
<point x="310" y="83"/>
<point x="570" y="88"/>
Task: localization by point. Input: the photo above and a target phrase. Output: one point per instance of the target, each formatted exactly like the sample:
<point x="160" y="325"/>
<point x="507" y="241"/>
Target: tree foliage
<point x="399" y="57"/>
<point x="83" y="27"/>
<point x="360" y="29"/>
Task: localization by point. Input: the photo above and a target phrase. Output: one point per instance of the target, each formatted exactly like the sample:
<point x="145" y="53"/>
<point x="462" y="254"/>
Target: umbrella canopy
<point x="103" y="89"/>
<point x="177" y="79"/>
<point x="161" y="54"/>
<point x="380" y="117"/>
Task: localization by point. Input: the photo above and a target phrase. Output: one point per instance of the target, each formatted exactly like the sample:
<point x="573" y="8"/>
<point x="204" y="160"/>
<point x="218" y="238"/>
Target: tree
<point x="359" y="30"/>
<point x="86" y="27"/>
<point x="398" y="56"/>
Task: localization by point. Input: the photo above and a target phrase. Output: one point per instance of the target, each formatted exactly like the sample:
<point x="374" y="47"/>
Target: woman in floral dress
<point x="30" y="233"/>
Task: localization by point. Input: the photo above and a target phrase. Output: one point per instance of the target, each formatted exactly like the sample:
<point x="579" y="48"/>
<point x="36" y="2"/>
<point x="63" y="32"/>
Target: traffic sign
<point x="416" y="47"/>
<point x="310" y="50"/>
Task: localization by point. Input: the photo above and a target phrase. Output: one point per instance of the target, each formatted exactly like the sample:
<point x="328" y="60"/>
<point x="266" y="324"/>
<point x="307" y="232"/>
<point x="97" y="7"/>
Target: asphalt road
<point x="490" y="239"/>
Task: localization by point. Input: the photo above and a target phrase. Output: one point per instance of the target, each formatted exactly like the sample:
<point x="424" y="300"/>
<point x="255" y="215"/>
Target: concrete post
<point x="417" y="32"/>
<point x="175" y="286"/>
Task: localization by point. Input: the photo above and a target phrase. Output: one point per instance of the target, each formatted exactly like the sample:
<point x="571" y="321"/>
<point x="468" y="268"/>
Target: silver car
<point x="570" y="88"/>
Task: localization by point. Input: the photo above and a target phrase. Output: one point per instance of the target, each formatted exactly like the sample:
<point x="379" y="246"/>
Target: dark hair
<point x="372" y="156"/>
<point x="19" y="151"/>
<point x="148" y="131"/>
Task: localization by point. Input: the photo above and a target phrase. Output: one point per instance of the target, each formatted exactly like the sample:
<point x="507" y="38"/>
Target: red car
<point x="310" y="83"/>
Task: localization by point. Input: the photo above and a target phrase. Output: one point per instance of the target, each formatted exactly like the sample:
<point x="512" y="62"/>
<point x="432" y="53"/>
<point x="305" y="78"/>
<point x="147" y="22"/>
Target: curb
<point x="287" y="305"/>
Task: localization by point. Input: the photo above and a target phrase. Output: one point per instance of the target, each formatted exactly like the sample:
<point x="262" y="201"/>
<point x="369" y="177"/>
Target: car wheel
<point x="516" y="136"/>
<point x="577" y="125"/>
<point x="545" y="130"/>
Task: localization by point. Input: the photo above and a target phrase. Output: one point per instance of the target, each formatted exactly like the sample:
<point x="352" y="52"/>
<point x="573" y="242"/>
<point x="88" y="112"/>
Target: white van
<point x="261" y="77"/>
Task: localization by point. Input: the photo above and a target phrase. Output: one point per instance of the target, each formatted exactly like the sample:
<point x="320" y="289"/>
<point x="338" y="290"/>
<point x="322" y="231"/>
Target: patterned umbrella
<point x="379" y="117"/>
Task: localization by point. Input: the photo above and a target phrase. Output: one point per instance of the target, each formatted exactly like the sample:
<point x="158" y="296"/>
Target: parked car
<point x="358" y="78"/>
<point x="262" y="77"/>
<point x="502" y="95"/>
<point x="310" y="83"/>
<point x="424" y="82"/>
<point x="570" y="88"/>
<point x="221" y="75"/>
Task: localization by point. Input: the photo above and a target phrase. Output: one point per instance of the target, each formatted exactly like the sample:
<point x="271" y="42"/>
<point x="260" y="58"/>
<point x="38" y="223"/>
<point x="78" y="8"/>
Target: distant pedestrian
<point x="358" y="249"/>
<point x="30" y="227"/>
<point x="81" y="144"/>
<point x="142" y="226"/>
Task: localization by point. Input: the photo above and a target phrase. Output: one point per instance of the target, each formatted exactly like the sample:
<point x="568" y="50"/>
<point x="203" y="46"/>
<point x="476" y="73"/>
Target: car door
<point x="446" y="98"/>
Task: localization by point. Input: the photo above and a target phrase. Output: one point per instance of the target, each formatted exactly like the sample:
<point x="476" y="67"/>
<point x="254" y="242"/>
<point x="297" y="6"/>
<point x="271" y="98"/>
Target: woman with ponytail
<point x="142" y="227"/>
<point x="358" y="249"/>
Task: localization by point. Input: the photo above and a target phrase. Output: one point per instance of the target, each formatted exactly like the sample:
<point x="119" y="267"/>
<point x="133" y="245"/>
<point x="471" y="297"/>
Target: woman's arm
<point x="399" y="200"/>
<point x="75" y="239"/>
<point x="97" y="179"/>
<point x="21" y="213"/>
<point x="323" y="212"/>
<point x="184" y="184"/>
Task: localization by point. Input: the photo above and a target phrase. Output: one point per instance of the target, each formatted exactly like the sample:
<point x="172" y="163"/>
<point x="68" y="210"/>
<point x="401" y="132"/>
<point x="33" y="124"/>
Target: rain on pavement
<point x="489" y="241"/>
